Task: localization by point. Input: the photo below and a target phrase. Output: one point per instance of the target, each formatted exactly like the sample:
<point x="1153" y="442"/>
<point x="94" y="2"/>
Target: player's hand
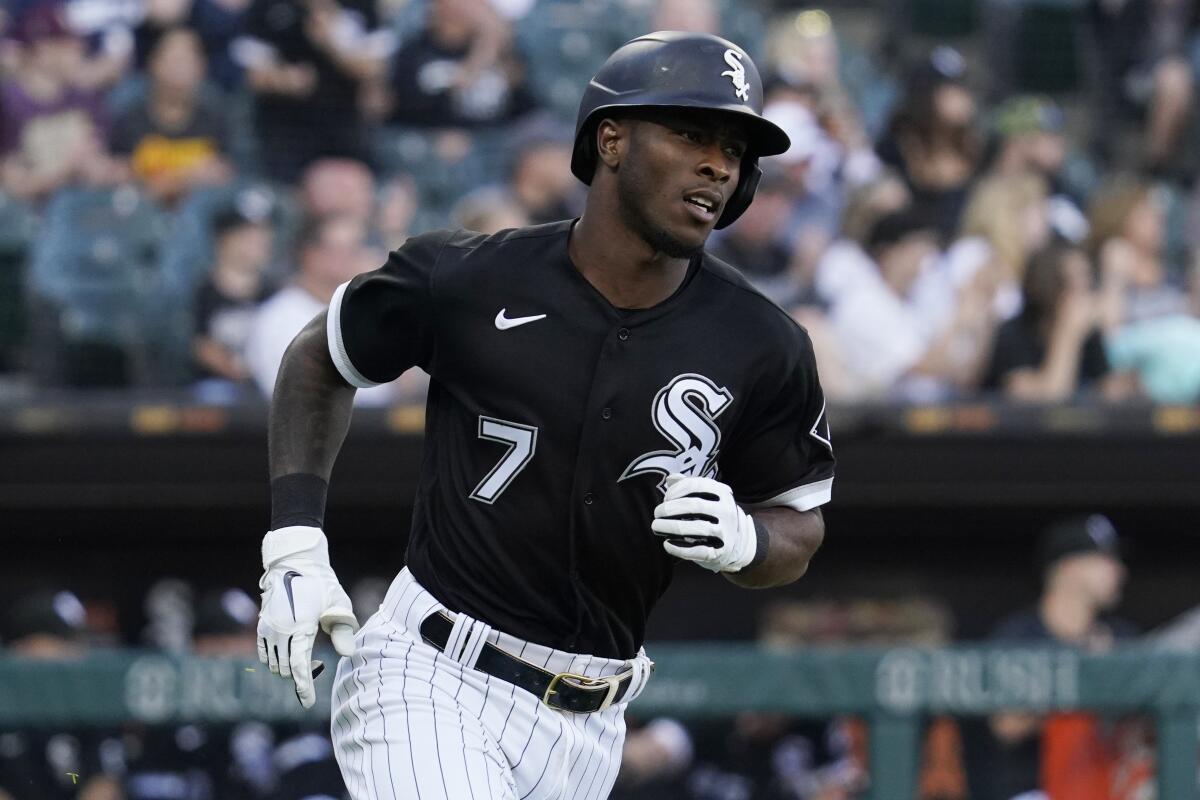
<point x="300" y="593"/>
<point x="701" y="522"/>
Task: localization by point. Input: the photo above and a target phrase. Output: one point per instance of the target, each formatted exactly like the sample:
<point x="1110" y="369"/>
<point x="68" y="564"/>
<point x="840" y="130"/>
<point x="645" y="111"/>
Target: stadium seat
<point x="95" y="278"/>
<point x="188" y="250"/>
<point x="441" y="178"/>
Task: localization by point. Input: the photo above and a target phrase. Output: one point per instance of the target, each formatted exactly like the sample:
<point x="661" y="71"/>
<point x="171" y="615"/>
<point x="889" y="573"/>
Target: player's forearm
<point x="793" y="539"/>
<point x="310" y="409"/>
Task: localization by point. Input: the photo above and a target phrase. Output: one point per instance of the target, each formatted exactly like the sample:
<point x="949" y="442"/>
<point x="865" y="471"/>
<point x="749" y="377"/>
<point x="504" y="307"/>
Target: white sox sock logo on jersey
<point x="737" y="74"/>
<point x="685" y="412"/>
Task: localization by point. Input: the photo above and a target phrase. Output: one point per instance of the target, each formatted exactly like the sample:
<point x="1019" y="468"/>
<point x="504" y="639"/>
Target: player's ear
<point x="611" y="138"/>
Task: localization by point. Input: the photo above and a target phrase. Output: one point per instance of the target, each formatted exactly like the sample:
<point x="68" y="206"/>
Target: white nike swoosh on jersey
<point x="504" y="323"/>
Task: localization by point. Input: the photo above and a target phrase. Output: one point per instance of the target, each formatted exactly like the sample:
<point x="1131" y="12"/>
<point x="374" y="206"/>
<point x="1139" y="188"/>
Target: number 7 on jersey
<point x="521" y="441"/>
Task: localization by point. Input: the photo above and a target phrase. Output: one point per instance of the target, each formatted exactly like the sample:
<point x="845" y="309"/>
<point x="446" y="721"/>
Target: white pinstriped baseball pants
<point x="410" y="722"/>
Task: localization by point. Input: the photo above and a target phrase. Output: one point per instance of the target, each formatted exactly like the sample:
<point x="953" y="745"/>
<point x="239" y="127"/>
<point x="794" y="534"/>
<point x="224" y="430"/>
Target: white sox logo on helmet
<point x="685" y="412"/>
<point x="737" y="74"/>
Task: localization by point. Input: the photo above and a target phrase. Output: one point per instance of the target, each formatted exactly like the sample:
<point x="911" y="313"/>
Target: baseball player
<point x="607" y="402"/>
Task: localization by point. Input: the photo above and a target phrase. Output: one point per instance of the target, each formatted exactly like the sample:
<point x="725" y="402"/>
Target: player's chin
<point x="682" y="243"/>
<point x="691" y="232"/>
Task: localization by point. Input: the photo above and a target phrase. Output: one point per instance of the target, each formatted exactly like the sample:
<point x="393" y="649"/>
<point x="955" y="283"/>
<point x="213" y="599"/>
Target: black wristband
<point x="763" y="537"/>
<point x="298" y="499"/>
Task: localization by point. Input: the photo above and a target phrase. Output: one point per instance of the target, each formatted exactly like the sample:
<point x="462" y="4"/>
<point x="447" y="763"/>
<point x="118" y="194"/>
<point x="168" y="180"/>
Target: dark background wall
<point x="110" y="499"/>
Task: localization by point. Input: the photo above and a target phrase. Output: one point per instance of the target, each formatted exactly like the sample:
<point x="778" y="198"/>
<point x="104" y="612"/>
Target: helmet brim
<point x="765" y="137"/>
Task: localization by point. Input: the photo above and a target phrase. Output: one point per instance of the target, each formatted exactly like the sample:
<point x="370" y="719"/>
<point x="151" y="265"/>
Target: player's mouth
<point x="703" y="204"/>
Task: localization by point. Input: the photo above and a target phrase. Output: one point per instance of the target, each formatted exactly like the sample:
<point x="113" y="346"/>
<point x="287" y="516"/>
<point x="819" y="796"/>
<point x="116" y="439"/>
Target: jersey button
<point x="623" y="334"/>
<point x="606" y="414"/>
<point x="588" y="499"/>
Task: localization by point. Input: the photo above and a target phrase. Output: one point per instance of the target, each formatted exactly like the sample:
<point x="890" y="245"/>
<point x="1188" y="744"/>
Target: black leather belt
<point x="564" y="691"/>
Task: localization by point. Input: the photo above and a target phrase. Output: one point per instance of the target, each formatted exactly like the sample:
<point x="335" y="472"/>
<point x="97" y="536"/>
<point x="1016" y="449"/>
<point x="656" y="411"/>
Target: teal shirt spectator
<point x="1165" y="352"/>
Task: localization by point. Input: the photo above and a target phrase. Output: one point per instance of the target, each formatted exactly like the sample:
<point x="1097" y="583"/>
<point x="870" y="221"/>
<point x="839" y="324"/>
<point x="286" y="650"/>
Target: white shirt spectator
<point x="935" y="296"/>
<point x="880" y="337"/>
<point x="277" y="322"/>
<point x="843" y="267"/>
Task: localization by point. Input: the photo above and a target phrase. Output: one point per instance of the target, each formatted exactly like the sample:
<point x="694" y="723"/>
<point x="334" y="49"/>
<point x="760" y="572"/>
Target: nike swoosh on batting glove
<point x="703" y="509"/>
<point x="300" y="593"/>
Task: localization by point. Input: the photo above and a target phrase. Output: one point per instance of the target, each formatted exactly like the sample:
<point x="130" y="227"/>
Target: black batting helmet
<point x="670" y="69"/>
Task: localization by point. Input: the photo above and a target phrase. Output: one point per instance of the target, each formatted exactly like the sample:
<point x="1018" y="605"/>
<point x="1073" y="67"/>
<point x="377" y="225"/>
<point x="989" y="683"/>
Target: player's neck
<point x="620" y="265"/>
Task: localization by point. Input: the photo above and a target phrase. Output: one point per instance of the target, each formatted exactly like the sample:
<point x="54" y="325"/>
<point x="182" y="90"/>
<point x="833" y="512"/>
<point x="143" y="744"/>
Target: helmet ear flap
<point x="743" y="195"/>
<point x="583" y="158"/>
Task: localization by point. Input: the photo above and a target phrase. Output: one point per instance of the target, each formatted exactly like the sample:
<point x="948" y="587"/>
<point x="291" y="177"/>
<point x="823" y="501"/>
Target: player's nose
<point x="714" y="163"/>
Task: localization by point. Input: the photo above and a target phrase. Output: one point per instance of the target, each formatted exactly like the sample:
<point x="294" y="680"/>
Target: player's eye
<point x="691" y="136"/>
<point x="735" y="151"/>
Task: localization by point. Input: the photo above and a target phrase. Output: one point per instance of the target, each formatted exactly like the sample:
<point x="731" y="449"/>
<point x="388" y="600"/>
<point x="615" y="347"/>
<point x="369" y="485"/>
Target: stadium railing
<point x="892" y="689"/>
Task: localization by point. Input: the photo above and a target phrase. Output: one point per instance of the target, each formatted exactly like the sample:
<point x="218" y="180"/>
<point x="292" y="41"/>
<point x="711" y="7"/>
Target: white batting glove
<point x="300" y="592"/>
<point x="701" y="522"/>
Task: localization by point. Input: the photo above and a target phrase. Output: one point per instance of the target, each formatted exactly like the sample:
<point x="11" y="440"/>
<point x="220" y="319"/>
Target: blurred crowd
<point x="184" y="182"/>
<point x="1078" y="564"/>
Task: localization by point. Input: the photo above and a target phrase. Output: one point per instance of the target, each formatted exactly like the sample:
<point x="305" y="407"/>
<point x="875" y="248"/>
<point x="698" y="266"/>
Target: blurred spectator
<point x="346" y="187"/>
<point x="460" y="70"/>
<point x="843" y="266"/>
<point x="829" y="157"/>
<point x="46" y="624"/>
<point x="932" y="141"/>
<point x="170" y="615"/>
<point x="752" y="245"/>
<point x="540" y="180"/>
<point x="886" y="345"/>
<point x="1030" y="137"/>
<point x="226" y="624"/>
<point x="1146" y="311"/>
<point x="306" y="61"/>
<point x="1053" y="351"/>
<point x="176" y="140"/>
<point x="809" y="173"/>
<point x="329" y="251"/>
<point x="845" y="262"/>
<point x="1143" y="68"/>
<point x="831" y="152"/>
<point x="1006" y="219"/>
<point x="1070" y="756"/>
<point x="52" y="131"/>
<point x="396" y="210"/>
<point x="337" y="187"/>
<point x="104" y="27"/>
<point x="216" y="22"/>
<point x="1128" y="234"/>
<point x="693" y="16"/>
<point x="488" y="210"/>
<point x="230" y="295"/>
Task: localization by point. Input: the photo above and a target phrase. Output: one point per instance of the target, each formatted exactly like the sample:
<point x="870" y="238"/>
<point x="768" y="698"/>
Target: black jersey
<point x="553" y="418"/>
